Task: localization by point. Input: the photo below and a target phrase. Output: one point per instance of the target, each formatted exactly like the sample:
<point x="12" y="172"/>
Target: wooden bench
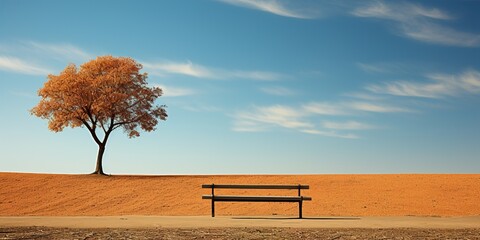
<point x="229" y="198"/>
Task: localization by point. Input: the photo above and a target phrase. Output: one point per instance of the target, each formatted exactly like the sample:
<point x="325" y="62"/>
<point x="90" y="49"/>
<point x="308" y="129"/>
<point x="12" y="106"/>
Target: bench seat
<point x="230" y="198"/>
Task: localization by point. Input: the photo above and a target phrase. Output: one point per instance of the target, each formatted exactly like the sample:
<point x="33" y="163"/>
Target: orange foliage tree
<point x="103" y="94"/>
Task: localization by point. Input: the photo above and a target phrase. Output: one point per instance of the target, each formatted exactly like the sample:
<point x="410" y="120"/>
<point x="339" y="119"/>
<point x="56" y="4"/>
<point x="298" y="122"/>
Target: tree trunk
<point x="99" y="167"/>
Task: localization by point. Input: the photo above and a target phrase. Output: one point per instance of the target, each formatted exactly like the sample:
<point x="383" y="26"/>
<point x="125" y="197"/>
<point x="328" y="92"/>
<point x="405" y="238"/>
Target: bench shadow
<point x="304" y="218"/>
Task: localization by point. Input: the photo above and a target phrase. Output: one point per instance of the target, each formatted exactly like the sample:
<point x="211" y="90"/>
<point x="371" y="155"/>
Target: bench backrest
<point x="255" y="186"/>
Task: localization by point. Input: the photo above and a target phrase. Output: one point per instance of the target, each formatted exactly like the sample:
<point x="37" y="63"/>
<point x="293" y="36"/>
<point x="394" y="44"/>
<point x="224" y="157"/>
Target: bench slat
<point x="230" y="198"/>
<point x="255" y="186"/>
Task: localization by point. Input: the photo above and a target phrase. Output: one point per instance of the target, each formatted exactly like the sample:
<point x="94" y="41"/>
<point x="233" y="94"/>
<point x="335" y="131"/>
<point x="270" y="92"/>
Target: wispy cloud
<point x="411" y="20"/>
<point x="438" y="86"/>
<point x="350" y="108"/>
<point x="61" y="51"/>
<point x="13" y="57"/>
<point x="169" y="91"/>
<point x="164" y="68"/>
<point x="419" y="23"/>
<point x="302" y="118"/>
<point x="469" y="80"/>
<point x="277" y="7"/>
<point x="263" y="118"/>
<point x="363" y="96"/>
<point x="330" y="134"/>
<point x="413" y="89"/>
<point x="240" y="125"/>
<point x="183" y="68"/>
<point x="278" y="91"/>
<point x="279" y="115"/>
<point x="349" y="125"/>
<point x="434" y="33"/>
<point x="17" y="65"/>
<point x="398" y="11"/>
<point x="375" y="107"/>
<point x="324" y="108"/>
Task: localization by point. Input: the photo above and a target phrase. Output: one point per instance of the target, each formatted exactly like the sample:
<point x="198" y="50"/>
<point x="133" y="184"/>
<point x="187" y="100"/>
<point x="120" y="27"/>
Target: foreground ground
<point x="241" y="222"/>
<point x="333" y="195"/>
<point x="32" y="206"/>
<point x="235" y="233"/>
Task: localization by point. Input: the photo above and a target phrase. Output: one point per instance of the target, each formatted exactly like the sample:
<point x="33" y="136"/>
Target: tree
<point x="104" y="94"/>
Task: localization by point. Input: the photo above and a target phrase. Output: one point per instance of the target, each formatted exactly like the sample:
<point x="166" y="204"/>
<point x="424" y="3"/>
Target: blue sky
<point x="256" y="86"/>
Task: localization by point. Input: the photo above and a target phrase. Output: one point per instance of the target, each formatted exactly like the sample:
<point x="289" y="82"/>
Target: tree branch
<point x="112" y="120"/>
<point x="118" y="124"/>
<point x="90" y="116"/>
<point x="91" y="129"/>
<point x="103" y="127"/>
<point x="132" y="105"/>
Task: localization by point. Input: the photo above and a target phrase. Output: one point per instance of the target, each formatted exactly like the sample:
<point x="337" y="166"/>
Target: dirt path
<point x="241" y="222"/>
<point x="236" y="233"/>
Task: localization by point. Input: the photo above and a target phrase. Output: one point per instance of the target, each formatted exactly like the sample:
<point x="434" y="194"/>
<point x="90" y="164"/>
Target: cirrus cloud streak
<point x="303" y="118"/>
<point x="13" y="64"/>
<point x="164" y="68"/>
<point x="170" y="91"/>
<point x="419" y="23"/>
<point x="277" y="7"/>
<point x="437" y="86"/>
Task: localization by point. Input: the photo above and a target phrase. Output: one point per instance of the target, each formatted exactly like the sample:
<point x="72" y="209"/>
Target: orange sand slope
<point x="333" y="195"/>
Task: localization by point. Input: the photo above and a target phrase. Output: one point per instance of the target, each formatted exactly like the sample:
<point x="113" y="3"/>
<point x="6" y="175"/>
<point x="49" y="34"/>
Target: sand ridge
<point x="24" y="194"/>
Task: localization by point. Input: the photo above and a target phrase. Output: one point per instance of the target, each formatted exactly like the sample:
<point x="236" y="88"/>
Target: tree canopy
<point x="103" y="94"/>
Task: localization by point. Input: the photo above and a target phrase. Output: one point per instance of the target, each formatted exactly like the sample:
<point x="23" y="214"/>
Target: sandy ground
<point x="243" y="222"/>
<point x="333" y="195"/>
<point x="42" y="206"/>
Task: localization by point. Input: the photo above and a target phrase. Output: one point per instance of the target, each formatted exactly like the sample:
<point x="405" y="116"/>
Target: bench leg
<point x="300" y="209"/>
<point x="213" y="208"/>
